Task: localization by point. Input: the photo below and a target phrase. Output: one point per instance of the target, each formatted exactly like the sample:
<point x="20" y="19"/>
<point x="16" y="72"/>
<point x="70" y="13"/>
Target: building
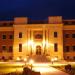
<point x="54" y="38"/>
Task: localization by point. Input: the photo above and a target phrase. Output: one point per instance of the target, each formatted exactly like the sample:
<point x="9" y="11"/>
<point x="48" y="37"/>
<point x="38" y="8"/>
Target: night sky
<point x="37" y="9"/>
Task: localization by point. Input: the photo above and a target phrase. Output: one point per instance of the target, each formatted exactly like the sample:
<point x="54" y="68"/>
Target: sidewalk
<point x="49" y="71"/>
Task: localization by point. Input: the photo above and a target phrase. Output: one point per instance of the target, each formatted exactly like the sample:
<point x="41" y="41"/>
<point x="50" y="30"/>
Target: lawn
<point x="62" y="67"/>
<point x="11" y="67"/>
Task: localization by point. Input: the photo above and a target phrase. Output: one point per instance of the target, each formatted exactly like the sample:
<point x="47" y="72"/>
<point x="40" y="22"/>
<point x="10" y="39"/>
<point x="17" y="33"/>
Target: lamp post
<point x="31" y="62"/>
<point x="52" y="60"/>
<point x="56" y="59"/>
<point x="18" y="59"/>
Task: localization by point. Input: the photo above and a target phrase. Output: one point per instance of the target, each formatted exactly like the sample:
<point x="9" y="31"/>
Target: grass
<point x="13" y="67"/>
<point x="62" y="68"/>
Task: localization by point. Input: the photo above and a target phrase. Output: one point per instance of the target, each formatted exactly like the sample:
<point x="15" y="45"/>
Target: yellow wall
<point x="50" y="40"/>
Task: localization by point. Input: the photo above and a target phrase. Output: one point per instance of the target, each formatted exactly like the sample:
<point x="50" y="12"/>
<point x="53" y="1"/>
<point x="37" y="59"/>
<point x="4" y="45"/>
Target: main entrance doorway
<point x="38" y="50"/>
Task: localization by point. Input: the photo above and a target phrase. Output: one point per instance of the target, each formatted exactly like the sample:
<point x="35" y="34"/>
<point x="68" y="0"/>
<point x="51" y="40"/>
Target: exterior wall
<point x="59" y="40"/>
<point x="17" y="40"/>
<point x="6" y="42"/>
<point x="30" y="42"/>
<point x="69" y="41"/>
<point x="46" y="43"/>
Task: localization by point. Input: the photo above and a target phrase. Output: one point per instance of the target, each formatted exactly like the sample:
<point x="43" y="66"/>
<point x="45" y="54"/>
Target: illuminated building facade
<point x="22" y="38"/>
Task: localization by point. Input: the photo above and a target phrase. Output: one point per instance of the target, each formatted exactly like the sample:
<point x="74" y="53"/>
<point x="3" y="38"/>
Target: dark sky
<point x="37" y="9"/>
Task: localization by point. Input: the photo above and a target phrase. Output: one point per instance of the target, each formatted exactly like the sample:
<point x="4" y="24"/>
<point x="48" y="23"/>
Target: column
<point x="44" y="38"/>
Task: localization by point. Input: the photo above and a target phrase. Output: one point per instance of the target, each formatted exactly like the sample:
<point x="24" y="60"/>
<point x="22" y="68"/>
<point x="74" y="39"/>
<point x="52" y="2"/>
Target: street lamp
<point x="18" y="59"/>
<point x="55" y="58"/>
<point x="31" y="62"/>
<point x="52" y="60"/>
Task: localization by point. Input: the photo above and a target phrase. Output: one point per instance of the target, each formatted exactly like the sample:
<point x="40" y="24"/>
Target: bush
<point x="68" y="67"/>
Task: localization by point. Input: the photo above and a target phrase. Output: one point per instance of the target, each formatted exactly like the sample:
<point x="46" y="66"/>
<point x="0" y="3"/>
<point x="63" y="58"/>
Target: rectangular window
<point x="55" y="34"/>
<point x="4" y="48"/>
<point x="55" y="47"/>
<point x="20" y="47"/>
<point x="68" y="57"/>
<point x="3" y="36"/>
<point x="20" y="35"/>
<point x="73" y="48"/>
<point x="67" y="35"/>
<point x="73" y="35"/>
<point x="10" y="36"/>
<point x="10" y="48"/>
<point x="67" y="49"/>
<point x="74" y="58"/>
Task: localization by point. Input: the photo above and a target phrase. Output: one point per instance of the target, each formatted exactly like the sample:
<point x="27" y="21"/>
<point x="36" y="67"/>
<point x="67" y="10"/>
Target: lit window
<point x="20" y="47"/>
<point x="20" y="35"/>
<point x="55" y="34"/>
<point x="4" y="37"/>
<point x="55" y="47"/>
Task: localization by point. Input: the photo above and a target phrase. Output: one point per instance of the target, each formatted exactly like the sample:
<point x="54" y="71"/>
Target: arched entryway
<point x="38" y="50"/>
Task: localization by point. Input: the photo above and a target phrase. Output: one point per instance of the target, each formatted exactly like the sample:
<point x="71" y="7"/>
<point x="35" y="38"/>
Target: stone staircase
<point x="39" y="58"/>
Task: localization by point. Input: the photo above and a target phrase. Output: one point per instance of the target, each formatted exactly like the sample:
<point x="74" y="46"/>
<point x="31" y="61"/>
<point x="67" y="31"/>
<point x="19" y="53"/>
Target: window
<point x="20" y="47"/>
<point x="20" y="35"/>
<point x="0" y="50"/>
<point x="68" y="57"/>
<point x="10" y="48"/>
<point x="73" y="48"/>
<point x="55" y="34"/>
<point x="67" y="49"/>
<point x="10" y="36"/>
<point x="67" y="35"/>
<point x="4" y="47"/>
<point x="55" y="47"/>
<point x="3" y="58"/>
<point x="38" y="36"/>
<point x="74" y="58"/>
<point x="4" y="37"/>
<point x="73" y="35"/>
<point x="10" y="58"/>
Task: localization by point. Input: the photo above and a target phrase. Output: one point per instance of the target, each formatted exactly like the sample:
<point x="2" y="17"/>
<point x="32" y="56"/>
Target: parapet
<point x="20" y="20"/>
<point x="55" y="19"/>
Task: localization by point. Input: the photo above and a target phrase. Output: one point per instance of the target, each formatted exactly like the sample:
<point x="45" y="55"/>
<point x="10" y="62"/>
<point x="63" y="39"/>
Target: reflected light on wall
<point x="30" y="42"/>
<point x="47" y="43"/>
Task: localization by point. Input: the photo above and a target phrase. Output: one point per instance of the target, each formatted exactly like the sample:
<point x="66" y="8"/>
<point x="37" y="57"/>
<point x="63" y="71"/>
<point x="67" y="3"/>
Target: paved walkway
<point x="49" y="71"/>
